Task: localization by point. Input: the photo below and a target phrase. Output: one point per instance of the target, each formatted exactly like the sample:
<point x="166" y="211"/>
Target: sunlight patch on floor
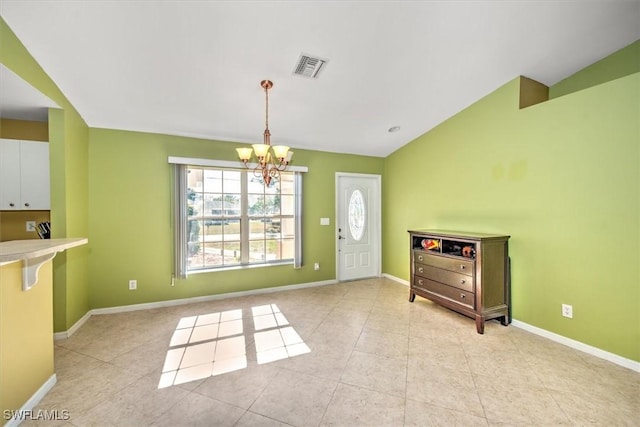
<point x="214" y="344"/>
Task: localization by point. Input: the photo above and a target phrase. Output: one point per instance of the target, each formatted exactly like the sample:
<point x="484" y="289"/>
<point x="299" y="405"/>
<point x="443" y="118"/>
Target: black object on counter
<point x="44" y="230"/>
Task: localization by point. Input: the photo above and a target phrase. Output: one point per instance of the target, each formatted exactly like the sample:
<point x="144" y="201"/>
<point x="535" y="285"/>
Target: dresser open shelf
<point x="465" y="272"/>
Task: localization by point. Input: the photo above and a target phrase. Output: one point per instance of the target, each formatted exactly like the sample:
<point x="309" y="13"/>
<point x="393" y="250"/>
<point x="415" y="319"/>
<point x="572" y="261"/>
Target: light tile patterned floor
<point x="374" y="359"/>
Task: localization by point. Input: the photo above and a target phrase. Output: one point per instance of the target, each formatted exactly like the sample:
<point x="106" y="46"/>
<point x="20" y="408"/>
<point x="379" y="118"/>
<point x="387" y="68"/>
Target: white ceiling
<point x="193" y="67"/>
<point x="20" y="101"/>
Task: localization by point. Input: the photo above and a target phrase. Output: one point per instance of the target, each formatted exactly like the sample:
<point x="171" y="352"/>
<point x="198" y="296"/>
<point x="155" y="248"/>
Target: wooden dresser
<point x="466" y="272"/>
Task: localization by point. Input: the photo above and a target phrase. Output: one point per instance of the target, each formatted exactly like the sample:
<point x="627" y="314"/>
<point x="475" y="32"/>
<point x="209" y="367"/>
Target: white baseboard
<point x="28" y="406"/>
<point x="168" y="303"/>
<point x="594" y="351"/>
<point x="396" y="279"/>
<point x="182" y="301"/>
<point x="66" y="334"/>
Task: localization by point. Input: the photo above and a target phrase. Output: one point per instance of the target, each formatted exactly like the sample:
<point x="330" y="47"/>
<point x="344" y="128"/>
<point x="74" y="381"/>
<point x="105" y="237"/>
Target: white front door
<point x="358" y="225"/>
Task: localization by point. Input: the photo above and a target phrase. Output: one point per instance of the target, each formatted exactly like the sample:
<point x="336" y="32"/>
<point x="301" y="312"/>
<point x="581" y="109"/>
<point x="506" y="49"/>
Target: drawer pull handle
<point x="462" y="266"/>
<point x="462" y="296"/>
<point x="26" y="204"/>
<point x="462" y="282"/>
<point x="12" y="204"/>
<point x="419" y="281"/>
<point x="420" y="258"/>
<point x="420" y="270"/>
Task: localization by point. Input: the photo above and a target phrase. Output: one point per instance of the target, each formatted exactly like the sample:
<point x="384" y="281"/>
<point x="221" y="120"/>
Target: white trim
<point x="33" y="400"/>
<point x="183" y="301"/>
<point x="396" y="279"/>
<point x="577" y="345"/>
<point x="72" y="330"/>
<point x="224" y="163"/>
<point x="378" y="225"/>
<point x="594" y="351"/>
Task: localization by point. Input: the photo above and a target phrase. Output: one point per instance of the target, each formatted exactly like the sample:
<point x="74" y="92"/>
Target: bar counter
<point x="26" y="322"/>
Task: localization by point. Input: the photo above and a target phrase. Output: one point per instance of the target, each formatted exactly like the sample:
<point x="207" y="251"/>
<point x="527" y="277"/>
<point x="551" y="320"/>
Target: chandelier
<point x="271" y="159"/>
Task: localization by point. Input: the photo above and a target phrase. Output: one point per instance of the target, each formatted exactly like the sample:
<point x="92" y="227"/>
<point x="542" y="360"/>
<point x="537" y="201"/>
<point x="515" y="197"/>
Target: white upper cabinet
<point x="9" y="174"/>
<point x="24" y="175"/>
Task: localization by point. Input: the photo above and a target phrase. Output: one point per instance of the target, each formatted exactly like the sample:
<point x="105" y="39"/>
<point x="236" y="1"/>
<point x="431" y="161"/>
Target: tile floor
<point x="351" y="354"/>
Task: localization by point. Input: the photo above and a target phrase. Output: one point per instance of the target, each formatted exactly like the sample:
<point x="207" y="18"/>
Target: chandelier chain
<point x="266" y="115"/>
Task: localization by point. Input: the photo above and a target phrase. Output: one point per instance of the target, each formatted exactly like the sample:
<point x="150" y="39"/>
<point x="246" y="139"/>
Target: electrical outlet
<point x="31" y="226"/>
<point x="567" y="311"/>
<point x="316" y="266"/>
<point x="133" y="285"/>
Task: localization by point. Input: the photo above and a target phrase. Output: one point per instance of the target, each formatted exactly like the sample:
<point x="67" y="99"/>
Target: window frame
<point x="181" y="218"/>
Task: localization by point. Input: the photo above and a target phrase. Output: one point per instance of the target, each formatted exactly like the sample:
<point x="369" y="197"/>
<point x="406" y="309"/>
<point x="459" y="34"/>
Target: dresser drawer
<point x="458" y="280"/>
<point x="452" y="264"/>
<point x="442" y="290"/>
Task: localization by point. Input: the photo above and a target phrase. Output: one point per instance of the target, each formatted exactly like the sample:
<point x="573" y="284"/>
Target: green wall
<point x="68" y="139"/>
<point x="622" y="63"/>
<point x="561" y="178"/>
<point x="130" y="228"/>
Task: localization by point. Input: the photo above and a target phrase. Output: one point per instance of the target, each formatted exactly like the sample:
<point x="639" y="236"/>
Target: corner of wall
<point x="532" y="92"/>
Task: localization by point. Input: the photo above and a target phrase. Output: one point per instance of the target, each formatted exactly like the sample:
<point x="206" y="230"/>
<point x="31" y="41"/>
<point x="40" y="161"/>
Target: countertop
<point x="16" y="250"/>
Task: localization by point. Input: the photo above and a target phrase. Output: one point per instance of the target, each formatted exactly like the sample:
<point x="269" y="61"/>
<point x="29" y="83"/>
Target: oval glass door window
<point x="357" y="215"/>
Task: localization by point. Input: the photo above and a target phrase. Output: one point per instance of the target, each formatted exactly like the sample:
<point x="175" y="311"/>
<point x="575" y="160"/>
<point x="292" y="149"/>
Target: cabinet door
<point x="34" y="175"/>
<point x="9" y="174"/>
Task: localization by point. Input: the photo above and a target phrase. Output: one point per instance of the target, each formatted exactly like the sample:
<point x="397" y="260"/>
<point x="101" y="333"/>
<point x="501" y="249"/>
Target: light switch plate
<point x="31" y="226"/>
<point x="325" y="221"/>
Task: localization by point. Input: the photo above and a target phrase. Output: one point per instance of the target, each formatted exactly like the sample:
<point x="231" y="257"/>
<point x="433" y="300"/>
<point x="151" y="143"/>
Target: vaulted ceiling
<point x="194" y="68"/>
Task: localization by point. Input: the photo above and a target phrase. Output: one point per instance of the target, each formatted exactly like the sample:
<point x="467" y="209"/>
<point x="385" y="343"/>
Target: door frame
<point x="375" y="226"/>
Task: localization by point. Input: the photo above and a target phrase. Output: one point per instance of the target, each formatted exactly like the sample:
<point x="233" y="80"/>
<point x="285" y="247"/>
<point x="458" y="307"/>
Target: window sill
<point x="239" y="267"/>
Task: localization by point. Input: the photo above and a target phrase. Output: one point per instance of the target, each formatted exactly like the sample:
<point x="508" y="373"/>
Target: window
<point x="357" y="215"/>
<point x="228" y="218"/>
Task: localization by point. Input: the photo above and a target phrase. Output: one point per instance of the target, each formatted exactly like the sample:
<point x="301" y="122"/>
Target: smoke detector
<point x="309" y="66"/>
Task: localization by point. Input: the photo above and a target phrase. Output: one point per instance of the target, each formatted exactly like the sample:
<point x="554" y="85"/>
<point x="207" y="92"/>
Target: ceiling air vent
<point x="309" y="66"/>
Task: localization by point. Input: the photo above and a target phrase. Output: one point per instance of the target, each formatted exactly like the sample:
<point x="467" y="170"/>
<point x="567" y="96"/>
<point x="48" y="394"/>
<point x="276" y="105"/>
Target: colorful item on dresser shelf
<point x="430" y="244"/>
<point x="469" y="252"/>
